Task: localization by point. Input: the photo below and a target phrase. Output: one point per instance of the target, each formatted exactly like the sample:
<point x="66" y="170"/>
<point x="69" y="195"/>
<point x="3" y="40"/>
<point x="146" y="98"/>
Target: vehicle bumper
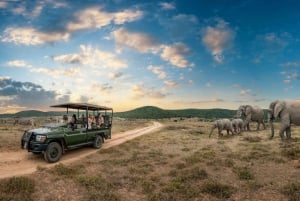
<point x="34" y="146"/>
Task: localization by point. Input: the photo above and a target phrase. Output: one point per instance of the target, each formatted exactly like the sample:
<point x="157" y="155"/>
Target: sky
<point x="128" y="54"/>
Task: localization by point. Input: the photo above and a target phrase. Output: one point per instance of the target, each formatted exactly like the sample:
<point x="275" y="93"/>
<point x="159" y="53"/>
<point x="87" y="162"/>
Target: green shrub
<point x="217" y="189"/>
<point x="17" y="188"/>
<point x="243" y="173"/>
<point x="292" y="190"/>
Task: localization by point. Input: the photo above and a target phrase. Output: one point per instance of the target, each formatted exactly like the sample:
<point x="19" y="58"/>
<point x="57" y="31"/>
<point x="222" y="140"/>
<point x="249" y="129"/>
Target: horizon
<point x="171" y="54"/>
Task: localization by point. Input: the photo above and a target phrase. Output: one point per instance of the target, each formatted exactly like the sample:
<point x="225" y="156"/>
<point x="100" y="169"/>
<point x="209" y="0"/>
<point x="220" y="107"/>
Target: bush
<point x="217" y="189"/>
<point x="17" y="188"/>
<point x="292" y="190"/>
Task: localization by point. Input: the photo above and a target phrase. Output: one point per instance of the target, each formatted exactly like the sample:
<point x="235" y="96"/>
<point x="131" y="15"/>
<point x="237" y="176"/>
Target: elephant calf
<point x="222" y="124"/>
<point x="288" y="112"/>
<point x="237" y="125"/>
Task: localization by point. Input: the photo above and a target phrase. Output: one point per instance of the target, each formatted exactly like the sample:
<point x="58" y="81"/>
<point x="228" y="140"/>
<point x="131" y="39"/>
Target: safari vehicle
<point x="54" y="139"/>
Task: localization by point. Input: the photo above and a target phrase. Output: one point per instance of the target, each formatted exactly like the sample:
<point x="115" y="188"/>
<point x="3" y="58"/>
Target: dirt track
<point x="21" y="162"/>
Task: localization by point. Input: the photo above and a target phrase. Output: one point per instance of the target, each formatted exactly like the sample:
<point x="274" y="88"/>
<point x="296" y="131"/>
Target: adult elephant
<point x="222" y="124"/>
<point x="288" y="112"/>
<point x="251" y="113"/>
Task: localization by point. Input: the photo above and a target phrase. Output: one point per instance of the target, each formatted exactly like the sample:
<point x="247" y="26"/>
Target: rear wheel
<point x="53" y="152"/>
<point x="98" y="142"/>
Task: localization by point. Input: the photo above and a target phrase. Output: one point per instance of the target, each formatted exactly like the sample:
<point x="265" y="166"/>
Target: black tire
<point x="98" y="142"/>
<point x="53" y="152"/>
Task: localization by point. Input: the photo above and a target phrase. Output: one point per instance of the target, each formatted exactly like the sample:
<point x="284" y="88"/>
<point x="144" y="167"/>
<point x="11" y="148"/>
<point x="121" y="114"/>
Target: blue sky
<point x="127" y="54"/>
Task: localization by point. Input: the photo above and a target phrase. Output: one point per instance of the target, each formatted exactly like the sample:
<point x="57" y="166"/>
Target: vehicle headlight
<point x="40" y="138"/>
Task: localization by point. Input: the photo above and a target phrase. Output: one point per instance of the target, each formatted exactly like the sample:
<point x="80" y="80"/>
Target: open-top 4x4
<point x="55" y="138"/>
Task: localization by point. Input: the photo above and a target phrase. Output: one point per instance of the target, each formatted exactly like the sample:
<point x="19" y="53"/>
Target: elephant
<point x="222" y="124"/>
<point x="288" y="112"/>
<point x="251" y="113"/>
<point x="237" y="125"/>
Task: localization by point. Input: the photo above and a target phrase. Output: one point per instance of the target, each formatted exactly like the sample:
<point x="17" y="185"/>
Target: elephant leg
<point x="258" y="125"/>
<point x="264" y="126"/>
<point x="288" y="133"/>
<point x="220" y="132"/>
<point x="282" y="130"/>
<point x="248" y="127"/>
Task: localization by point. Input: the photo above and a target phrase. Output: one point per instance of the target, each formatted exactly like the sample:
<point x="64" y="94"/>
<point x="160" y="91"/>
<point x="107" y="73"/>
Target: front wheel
<point x="53" y="152"/>
<point x="98" y="142"/>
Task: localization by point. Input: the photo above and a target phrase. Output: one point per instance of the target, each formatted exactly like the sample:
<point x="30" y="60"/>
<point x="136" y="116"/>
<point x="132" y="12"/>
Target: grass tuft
<point x="252" y="138"/>
<point x="243" y="173"/>
<point x="17" y="188"/>
<point x="292" y="191"/>
<point x="63" y="170"/>
<point x="218" y="190"/>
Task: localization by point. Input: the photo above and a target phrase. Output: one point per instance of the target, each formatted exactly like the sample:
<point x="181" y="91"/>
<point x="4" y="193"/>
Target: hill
<point x="146" y="112"/>
<point x="151" y="112"/>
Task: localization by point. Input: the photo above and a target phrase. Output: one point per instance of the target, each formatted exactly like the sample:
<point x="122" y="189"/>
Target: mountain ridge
<point x="145" y="112"/>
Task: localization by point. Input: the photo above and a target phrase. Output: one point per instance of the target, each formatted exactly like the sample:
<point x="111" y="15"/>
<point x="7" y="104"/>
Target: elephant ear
<point x="248" y="109"/>
<point x="278" y="108"/>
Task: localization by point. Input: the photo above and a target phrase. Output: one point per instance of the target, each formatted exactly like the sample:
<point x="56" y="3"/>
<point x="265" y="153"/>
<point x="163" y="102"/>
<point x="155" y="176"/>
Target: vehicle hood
<point x="42" y="130"/>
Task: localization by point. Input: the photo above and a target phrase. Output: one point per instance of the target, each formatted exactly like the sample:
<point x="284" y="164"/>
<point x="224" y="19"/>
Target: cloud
<point x="275" y="42"/>
<point x="3" y="4"/>
<point x="244" y="92"/>
<point x="140" y="91"/>
<point x="141" y="42"/>
<point x="157" y="70"/>
<point x="217" y="39"/>
<point x="27" y="95"/>
<point x="18" y="63"/>
<point x="31" y="36"/>
<point x="102" y="88"/>
<point x="167" y="6"/>
<point x="57" y="72"/>
<point x="91" y="18"/>
<point x="294" y="64"/>
<point x="49" y="71"/>
<point x="170" y="83"/>
<point x="92" y="57"/>
<point x="175" y="54"/>
<point x="115" y="75"/>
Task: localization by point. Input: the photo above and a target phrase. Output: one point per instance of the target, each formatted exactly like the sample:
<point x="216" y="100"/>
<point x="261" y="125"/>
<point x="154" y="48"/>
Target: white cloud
<point x="167" y="6"/>
<point x="3" y="4"/>
<point x="141" y="91"/>
<point x="57" y="72"/>
<point x="170" y="83"/>
<point x="157" y="70"/>
<point x="31" y="36"/>
<point x="244" y="92"/>
<point x="18" y="63"/>
<point x="96" y="18"/>
<point x="141" y="42"/>
<point x="93" y="57"/>
<point x="175" y="54"/>
<point x="217" y="39"/>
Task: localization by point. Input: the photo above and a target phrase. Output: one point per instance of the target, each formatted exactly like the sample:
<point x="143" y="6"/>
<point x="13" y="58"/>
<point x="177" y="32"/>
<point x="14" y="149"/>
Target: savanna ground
<point x="177" y="162"/>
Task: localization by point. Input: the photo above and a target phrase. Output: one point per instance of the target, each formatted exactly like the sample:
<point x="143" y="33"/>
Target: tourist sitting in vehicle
<point x="91" y="121"/>
<point x="73" y="122"/>
<point x="99" y="120"/>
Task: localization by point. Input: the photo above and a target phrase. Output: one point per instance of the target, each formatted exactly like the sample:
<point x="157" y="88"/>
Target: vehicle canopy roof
<point x="82" y="106"/>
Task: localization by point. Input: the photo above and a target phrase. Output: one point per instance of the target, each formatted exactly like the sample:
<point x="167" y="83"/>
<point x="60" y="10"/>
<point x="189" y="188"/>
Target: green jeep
<point x="55" y="138"/>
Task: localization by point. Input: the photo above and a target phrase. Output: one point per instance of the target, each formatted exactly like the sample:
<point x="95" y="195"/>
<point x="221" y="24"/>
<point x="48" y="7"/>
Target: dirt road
<point x="21" y="162"/>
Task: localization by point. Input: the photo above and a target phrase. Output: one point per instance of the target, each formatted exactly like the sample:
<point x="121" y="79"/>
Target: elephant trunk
<point x="271" y="118"/>
<point x="212" y="129"/>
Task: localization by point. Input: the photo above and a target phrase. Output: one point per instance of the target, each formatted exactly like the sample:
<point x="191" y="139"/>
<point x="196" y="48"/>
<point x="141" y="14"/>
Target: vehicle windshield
<point x="55" y="125"/>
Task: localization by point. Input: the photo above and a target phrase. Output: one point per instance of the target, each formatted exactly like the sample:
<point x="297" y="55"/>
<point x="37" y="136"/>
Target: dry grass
<point x="179" y="162"/>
